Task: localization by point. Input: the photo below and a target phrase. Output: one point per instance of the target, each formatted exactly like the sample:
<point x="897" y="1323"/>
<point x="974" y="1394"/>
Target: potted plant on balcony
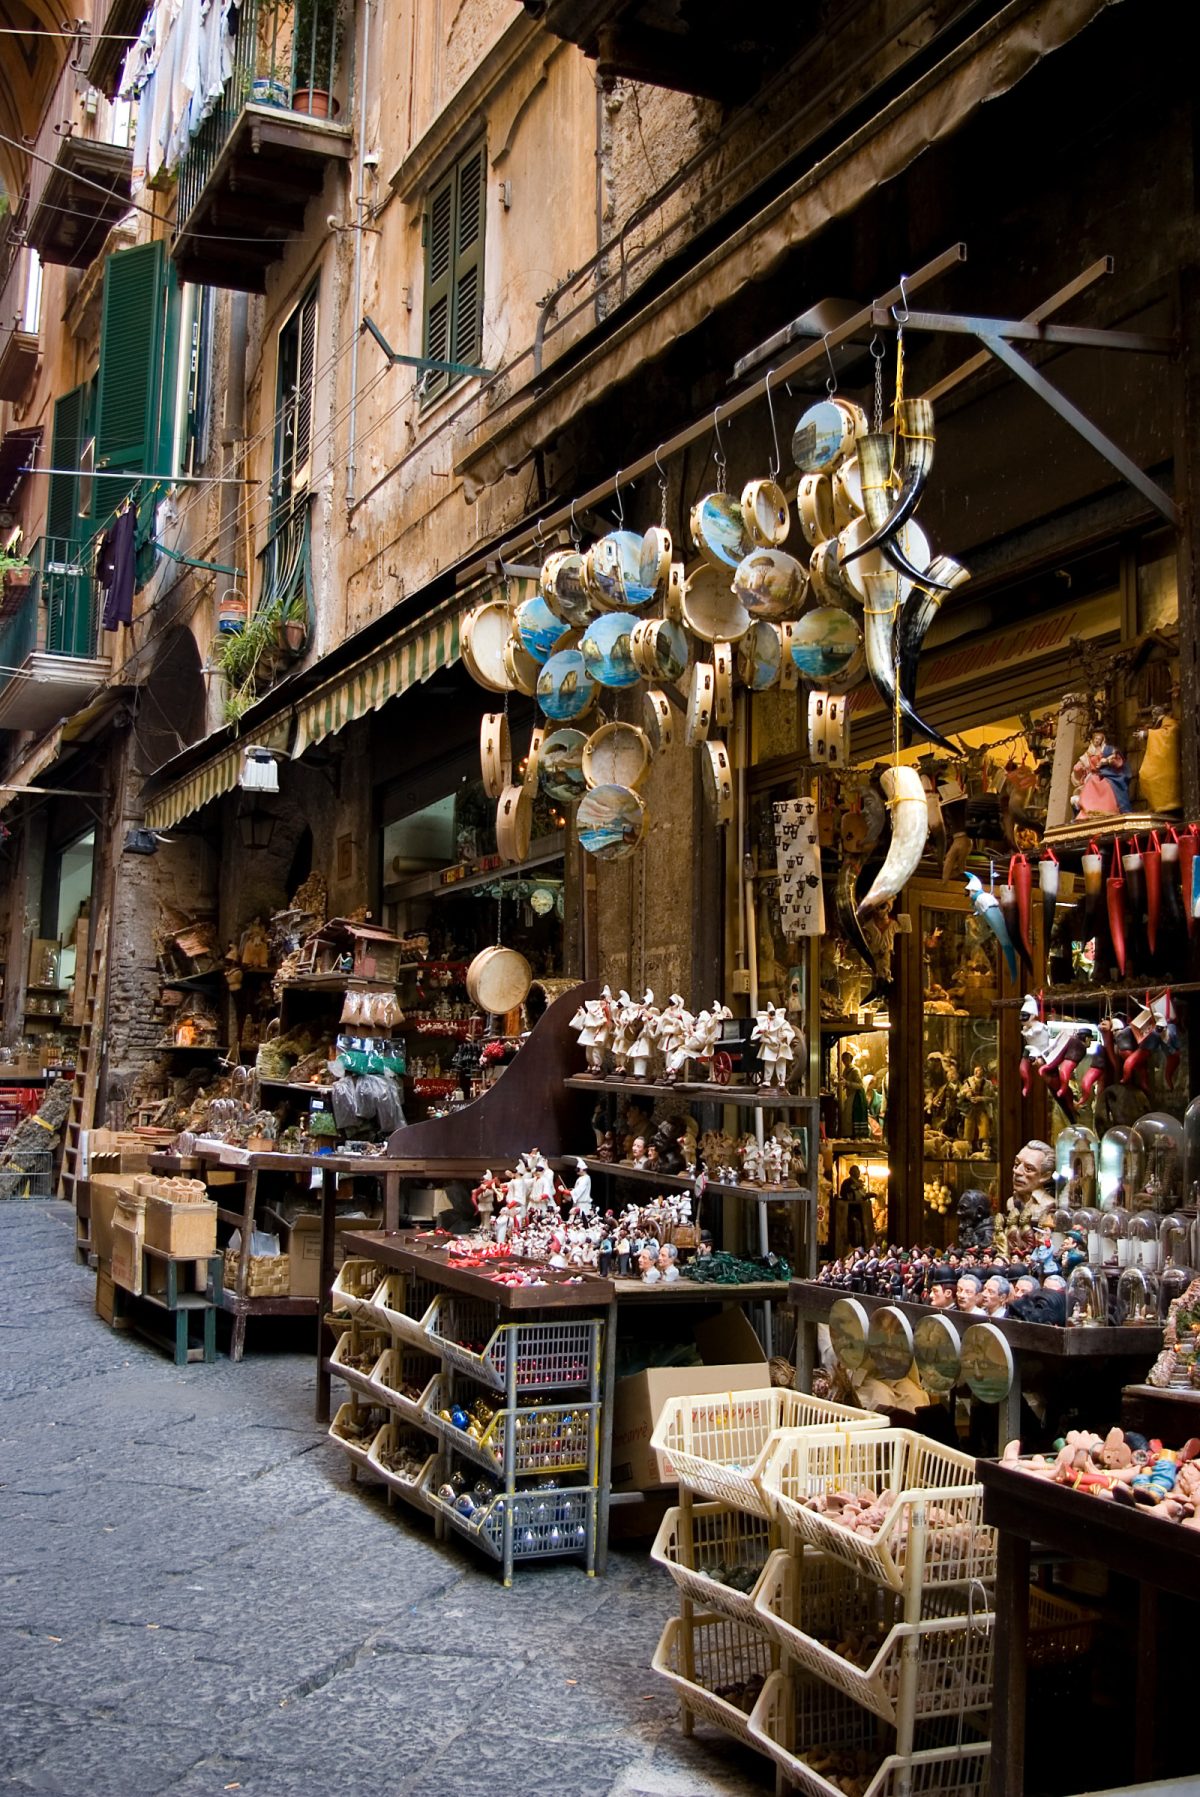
<point x="318" y="36"/>
<point x="16" y="576"/>
<point x="293" y="624"/>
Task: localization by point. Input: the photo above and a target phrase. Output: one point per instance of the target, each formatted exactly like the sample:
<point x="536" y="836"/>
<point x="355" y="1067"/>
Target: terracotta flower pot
<point x="317" y="102"/>
<point x="295" y="634"/>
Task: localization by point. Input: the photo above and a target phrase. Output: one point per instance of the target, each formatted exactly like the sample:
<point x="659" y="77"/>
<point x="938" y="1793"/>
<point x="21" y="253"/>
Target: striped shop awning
<point x="216" y="777"/>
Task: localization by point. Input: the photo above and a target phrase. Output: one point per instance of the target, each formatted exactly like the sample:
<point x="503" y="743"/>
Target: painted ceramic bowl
<point x="607" y="650"/>
<point x="560" y="767"/>
<point x="538" y="628"/>
<point x="565" y="689"/>
<point x="770" y="583"/>
<point x="825" y="642"/>
<point x="719" y="530"/>
<point x="610" y="822"/>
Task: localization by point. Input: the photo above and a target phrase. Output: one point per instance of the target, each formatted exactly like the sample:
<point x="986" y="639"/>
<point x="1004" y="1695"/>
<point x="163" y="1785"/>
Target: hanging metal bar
<point x="1068" y="336"/>
<point x="975" y="364"/>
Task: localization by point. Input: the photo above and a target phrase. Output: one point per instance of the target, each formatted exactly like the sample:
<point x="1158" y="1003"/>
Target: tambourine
<point x="656" y="558"/>
<point x="789" y="673"/>
<point x="824" y="643"/>
<point x="529" y="778"/>
<point x="564" y="587"/>
<point x="498" y="980"/>
<point x="613" y="571"/>
<point x="560" y="766"/>
<point x="760" y="656"/>
<point x="610" y="822"/>
<point x="520" y="668"/>
<point x="607" y="650"/>
<point x="722" y="663"/>
<point x="658" y="714"/>
<point x="565" y="689"/>
<point x="660" y="649"/>
<point x="718" y="781"/>
<point x="514" y="823"/>
<point x="847" y="492"/>
<point x="719" y="531"/>
<point x="825" y="435"/>
<point x="814" y="502"/>
<point x="673" y="596"/>
<point x="770" y="583"/>
<point x="482" y="637"/>
<point x="711" y="609"/>
<point x="828" y="729"/>
<point x="495" y="753"/>
<point x="538" y="627"/>
<point x="765" y="512"/>
<point x="831" y="583"/>
<point x="616" y="755"/>
<point x="865" y="569"/>
<point x="701" y="699"/>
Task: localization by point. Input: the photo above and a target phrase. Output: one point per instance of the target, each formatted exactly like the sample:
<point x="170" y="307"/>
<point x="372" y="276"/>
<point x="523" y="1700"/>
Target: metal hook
<point x="620" y="501"/>
<point x="775" y="465"/>
<point x="662" y="473"/>
<point x="539" y="541"/>
<point x="901" y="317"/>
<point x="576" y="534"/>
<point x="831" y="382"/>
<point x="718" y="452"/>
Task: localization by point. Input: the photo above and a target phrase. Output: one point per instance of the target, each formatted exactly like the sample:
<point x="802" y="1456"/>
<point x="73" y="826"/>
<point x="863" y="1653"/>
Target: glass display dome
<point x="1161" y="1187"/>
<point x="1087" y="1297"/>
<point x="1075" y="1161"/>
<point x="1137" y="1298"/>
<point x="1121" y="1162"/>
<point x="1087" y="1222"/>
<point x="1145" y="1249"/>
<point x="1191" y="1153"/>
<point x="1115" y="1246"/>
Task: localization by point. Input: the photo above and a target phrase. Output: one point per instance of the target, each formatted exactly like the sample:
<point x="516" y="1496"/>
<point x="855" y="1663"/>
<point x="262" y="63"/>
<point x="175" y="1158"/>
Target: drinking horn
<point x="849" y="926"/>
<point x="879" y="614"/>
<point x="923" y="601"/>
<point x="910" y="826"/>
<point x="875" y="463"/>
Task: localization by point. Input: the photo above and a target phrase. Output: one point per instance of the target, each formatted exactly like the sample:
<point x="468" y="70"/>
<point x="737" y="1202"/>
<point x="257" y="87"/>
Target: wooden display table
<point x="177" y="1300"/>
<point x="1158" y="1556"/>
<point x="1067" y="1350"/>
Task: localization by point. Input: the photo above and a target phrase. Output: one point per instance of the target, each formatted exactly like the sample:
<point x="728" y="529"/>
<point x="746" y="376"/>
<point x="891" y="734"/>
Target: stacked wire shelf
<point x="519" y="1402"/>
<point x="836" y="1594"/>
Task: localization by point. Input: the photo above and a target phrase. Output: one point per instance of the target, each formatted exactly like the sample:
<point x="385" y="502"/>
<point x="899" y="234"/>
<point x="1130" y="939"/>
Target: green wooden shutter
<point x="467" y="332"/>
<point x="66" y="445"/>
<point x="439" y="281"/>
<point x="129" y="379"/>
<point x="306" y="381"/>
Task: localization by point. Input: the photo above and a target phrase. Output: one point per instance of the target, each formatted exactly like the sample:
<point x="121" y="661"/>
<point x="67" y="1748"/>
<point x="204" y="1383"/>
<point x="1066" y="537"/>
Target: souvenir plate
<point x="987" y="1363"/>
<point x="565" y="689"/>
<point x="656" y="558"/>
<point x="701" y="697"/>
<point x="514" y="823"/>
<point x="522" y="670"/>
<point x="719" y="530"/>
<point x="560" y="766"/>
<point x="529" y="774"/>
<point x="498" y="980"/>
<point x="890" y="1343"/>
<point x="760" y="656"/>
<point x="658" y="714"/>
<point x="722" y="683"/>
<point x="824" y="643"/>
<point x="718" y="781"/>
<point x="610" y="822"/>
<point x="538" y="627"/>
<point x="848" y="1332"/>
<point x="485" y="630"/>
<point x="825" y="435"/>
<point x="616" y="755"/>
<point x="814" y="502"/>
<point x="936" y="1352"/>
<point x="564" y="587"/>
<point x="495" y="753"/>
<point x="765" y="512"/>
<point x="607" y="650"/>
<point x="712" y="610"/>
<point x="613" y="567"/>
<point x="660" y="649"/>
<point x="770" y="583"/>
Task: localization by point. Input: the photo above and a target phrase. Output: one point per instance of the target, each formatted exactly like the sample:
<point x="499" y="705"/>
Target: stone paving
<point x="194" y="1599"/>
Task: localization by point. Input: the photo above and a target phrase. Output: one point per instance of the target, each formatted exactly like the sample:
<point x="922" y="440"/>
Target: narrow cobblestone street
<point x="196" y="1600"/>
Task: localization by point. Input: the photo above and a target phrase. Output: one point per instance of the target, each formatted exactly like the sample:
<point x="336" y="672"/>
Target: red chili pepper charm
<point x="1152" y="867"/>
<point x="1020" y="876"/>
<point x="1115" y="895"/>
<point x="1187" y="854"/>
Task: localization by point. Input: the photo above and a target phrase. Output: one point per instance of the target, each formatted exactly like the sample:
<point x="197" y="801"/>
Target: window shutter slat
<point x="306" y="382"/>
<point x="439" y="278"/>
<point x="130" y="347"/>
<point x="62" y="500"/>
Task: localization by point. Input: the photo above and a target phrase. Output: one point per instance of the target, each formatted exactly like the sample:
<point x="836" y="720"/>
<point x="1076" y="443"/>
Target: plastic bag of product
<point x="263" y="1245"/>
<point x="345" y="1101"/>
<point x="379" y="1097"/>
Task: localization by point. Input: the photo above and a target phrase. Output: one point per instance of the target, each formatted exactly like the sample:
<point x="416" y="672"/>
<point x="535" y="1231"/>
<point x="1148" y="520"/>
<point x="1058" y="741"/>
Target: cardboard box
<point x="126" y="1263"/>
<point x="304" y="1248"/>
<point x="106" y="1301"/>
<point x="186" y="1231"/>
<point x="102" y="1197"/>
<point x="639" y="1399"/>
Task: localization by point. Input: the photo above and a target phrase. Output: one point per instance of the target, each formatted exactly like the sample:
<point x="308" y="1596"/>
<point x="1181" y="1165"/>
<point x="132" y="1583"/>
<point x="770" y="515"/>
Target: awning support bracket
<point x="427" y="364"/>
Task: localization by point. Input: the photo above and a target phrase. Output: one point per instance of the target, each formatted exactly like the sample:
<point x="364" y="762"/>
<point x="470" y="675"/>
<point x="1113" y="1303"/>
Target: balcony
<point x="48" y="662"/>
<point x="20" y="309"/>
<point x="79" y="183"/>
<point x="118" y="27"/>
<point x="697" y="48"/>
<point x="264" y="151"/>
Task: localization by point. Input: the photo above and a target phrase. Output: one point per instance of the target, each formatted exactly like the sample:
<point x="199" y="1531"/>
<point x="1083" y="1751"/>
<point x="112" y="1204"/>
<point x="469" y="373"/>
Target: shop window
<point x="453" y="238"/>
<point x="295" y="392"/>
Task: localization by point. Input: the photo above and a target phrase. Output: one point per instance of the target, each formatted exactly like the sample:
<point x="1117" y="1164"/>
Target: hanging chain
<point x="718" y="452"/>
<point x="877" y="354"/>
<point x="499" y="903"/>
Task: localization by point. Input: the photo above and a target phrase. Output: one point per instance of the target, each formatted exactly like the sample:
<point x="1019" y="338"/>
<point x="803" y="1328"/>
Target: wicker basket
<point x="267" y="1275"/>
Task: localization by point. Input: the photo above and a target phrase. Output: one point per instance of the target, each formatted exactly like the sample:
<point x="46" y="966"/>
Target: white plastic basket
<point x="354" y="1342"/>
<point x="384" y="1443"/>
<point x="729" y="1665"/>
<point x="825" y="1744"/>
<point x="924" y="1489"/>
<point x="395" y="1369"/>
<point x="717" y="1444"/>
<point x="954" y="1654"/>
<point x="724" y="1540"/>
<point x="357" y="1449"/>
<point x="406" y="1307"/>
<point x="351" y="1290"/>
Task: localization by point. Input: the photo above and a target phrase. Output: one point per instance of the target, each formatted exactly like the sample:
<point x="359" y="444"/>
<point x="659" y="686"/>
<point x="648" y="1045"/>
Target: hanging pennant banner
<point x="798" y="859"/>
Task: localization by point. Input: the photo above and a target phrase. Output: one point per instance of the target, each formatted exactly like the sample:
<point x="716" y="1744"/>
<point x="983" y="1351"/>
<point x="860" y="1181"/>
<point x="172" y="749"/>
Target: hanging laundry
<point x="115" y="569"/>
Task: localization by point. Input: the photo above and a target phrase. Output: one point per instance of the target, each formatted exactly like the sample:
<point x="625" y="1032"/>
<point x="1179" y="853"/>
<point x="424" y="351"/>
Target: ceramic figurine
<point x="592" y="1027"/>
<point x="1030" y="1184"/>
<point x="484" y="1198"/>
<point x="675" y="1025"/>
<point x="967" y="1291"/>
<point x="625" y="1020"/>
<point x="668" y="1263"/>
<point x="647" y="1268"/>
<point x="1100" y="779"/>
<point x="644" y="1032"/>
<point x="581" y="1191"/>
<point x="775" y="1037"/>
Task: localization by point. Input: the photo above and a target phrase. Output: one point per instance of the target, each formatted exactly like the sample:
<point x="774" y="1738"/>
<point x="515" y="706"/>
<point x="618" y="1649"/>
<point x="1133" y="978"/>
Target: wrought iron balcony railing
<point x="49" y="665"/>
<point x="20" y="310"/>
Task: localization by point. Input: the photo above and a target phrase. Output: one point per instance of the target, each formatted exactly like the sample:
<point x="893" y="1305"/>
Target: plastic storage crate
<point x="954" y="1654"/>
<point x="355" y="1344"/>
<point x="729" y="1666"/>
<point x="356" y="1280"/>
<point x="385" y="1442"/>
<point x="824" y="1744"/>
<point x="924" y="1488"/>
<point x="393" y="1371"/>
<point x="354" y="1429"/>
<point x="546" y="1524"/>
<point x="552" y="1439"/>
<point x="717" y="1444"/>
<point x="404" y="1304"/>
<point x="549" y="1356"/>
<point x="724" y="1540"/>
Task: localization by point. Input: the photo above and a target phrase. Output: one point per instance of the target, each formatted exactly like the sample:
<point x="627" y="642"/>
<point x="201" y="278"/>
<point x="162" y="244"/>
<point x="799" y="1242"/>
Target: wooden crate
<point x="187" y="1231"/>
